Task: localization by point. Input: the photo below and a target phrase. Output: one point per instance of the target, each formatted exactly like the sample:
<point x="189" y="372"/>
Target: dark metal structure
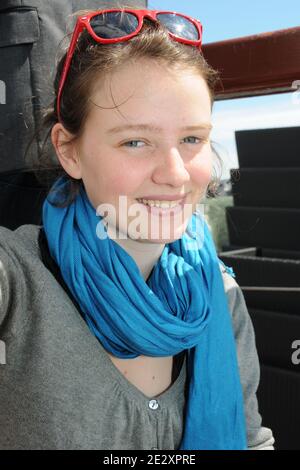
<point x="264" y="223"/>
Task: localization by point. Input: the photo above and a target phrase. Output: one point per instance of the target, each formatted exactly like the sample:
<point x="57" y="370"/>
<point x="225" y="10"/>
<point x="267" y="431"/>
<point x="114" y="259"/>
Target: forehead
<point x="148" y="89"/>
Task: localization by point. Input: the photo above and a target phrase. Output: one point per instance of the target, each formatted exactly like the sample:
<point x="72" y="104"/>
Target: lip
<point x="160" y="197"/>
<point x="158" y="211"/>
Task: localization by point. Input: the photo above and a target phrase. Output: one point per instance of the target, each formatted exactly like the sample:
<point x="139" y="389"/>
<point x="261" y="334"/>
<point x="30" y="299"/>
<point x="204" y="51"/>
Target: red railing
<point x="261" y="64"/>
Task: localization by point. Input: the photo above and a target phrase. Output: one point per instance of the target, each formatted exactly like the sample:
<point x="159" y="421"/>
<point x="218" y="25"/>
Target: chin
<point x="160" y="238"/>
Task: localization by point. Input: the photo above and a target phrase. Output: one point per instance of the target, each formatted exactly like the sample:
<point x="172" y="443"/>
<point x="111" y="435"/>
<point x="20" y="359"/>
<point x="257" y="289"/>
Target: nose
<point x="170" y="169"/>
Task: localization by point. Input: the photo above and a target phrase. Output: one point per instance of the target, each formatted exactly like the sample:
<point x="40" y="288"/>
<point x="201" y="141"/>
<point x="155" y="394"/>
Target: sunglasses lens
<point x="114" y="24"/>
<point x="180" y="26"/>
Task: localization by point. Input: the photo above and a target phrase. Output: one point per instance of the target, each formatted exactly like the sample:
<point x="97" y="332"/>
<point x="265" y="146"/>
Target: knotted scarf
<point x="181" y="306"/>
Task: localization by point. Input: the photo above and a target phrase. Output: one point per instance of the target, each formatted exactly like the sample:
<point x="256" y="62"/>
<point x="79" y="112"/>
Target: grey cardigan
<point x="58" y="387"/>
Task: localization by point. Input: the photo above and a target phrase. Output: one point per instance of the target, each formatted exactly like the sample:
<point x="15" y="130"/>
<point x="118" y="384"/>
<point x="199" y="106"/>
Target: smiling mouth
<point x="162" y="208"/>
<point x="166" y="204"/>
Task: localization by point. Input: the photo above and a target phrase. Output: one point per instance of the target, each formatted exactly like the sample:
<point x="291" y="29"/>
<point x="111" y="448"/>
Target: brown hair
<point x="91" y="61"/>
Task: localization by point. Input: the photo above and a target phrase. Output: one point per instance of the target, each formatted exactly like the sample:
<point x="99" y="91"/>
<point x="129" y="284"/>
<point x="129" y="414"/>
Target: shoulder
<point x="21" y="243"/>
<point x="19" y="258"/>
<point x="241" y="319"/>
<point x="19" y="250"/>
<point x="232" y="289"/>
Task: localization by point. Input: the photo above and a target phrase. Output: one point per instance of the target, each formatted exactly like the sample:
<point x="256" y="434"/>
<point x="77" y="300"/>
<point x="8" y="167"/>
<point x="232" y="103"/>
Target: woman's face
<point x="165" y="153"/>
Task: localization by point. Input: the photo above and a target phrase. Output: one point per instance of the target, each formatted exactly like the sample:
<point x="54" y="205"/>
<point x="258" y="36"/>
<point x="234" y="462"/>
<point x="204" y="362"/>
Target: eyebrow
<point x="152" y="128"/>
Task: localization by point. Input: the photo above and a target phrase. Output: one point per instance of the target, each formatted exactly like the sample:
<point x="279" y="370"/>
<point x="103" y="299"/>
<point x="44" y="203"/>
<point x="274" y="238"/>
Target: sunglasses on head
<point x="118" y="25"/>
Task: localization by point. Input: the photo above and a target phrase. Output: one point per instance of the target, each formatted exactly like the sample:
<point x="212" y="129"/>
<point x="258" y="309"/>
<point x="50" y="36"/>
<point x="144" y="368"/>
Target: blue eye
<point x="130" y="142"/>
<point x="193" y="137"/>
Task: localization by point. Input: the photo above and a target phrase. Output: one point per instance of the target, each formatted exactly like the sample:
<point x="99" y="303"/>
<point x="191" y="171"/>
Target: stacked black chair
<point x="264" y="251"/>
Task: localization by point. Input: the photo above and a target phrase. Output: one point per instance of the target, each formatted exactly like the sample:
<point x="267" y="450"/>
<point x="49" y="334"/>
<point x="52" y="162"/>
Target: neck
<point x="144" y="253"/>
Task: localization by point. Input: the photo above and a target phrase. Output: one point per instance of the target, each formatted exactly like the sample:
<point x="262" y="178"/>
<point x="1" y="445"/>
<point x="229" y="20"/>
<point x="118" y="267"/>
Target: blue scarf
<point x="182" y="306"/>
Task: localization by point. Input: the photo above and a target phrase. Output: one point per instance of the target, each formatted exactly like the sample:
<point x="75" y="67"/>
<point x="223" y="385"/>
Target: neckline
<point x="173" y="392"/>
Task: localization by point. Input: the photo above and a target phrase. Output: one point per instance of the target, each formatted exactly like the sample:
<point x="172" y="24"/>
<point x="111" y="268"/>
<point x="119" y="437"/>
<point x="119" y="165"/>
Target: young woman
<point x="122" y="328"/>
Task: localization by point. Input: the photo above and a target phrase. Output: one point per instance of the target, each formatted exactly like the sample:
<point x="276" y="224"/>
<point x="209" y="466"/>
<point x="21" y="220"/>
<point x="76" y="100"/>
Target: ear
<point x="66" y="150"/>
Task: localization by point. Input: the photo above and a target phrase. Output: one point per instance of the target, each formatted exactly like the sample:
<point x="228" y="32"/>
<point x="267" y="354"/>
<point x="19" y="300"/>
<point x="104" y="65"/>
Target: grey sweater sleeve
<point x="258" y="437"/>
<point x="7" y="281"/>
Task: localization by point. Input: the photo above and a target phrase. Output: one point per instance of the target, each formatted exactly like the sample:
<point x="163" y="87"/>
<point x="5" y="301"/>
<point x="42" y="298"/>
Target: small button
<point x="153" y="404"/>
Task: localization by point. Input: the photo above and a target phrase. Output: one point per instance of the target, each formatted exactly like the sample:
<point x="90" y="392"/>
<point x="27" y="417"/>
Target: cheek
<point x="106" y="177"/>
<point x="201" y="168"/>
<point x="126" y="177"/>
<point x="122" y="183"/>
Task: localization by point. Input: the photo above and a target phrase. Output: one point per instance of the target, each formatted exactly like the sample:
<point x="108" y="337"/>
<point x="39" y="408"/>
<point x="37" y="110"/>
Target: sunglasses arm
<point x="77" y="31"/>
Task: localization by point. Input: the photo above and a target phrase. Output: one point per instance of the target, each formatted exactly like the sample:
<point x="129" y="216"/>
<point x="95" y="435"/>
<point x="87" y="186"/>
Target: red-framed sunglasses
<point x="118" y="25"/>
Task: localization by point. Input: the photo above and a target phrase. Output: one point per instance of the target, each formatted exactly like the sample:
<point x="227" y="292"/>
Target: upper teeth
<point x="162" y="204"/>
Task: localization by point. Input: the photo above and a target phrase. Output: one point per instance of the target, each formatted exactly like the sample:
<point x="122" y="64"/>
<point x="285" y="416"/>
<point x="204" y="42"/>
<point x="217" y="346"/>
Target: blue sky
<point x="226" y="19"/>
